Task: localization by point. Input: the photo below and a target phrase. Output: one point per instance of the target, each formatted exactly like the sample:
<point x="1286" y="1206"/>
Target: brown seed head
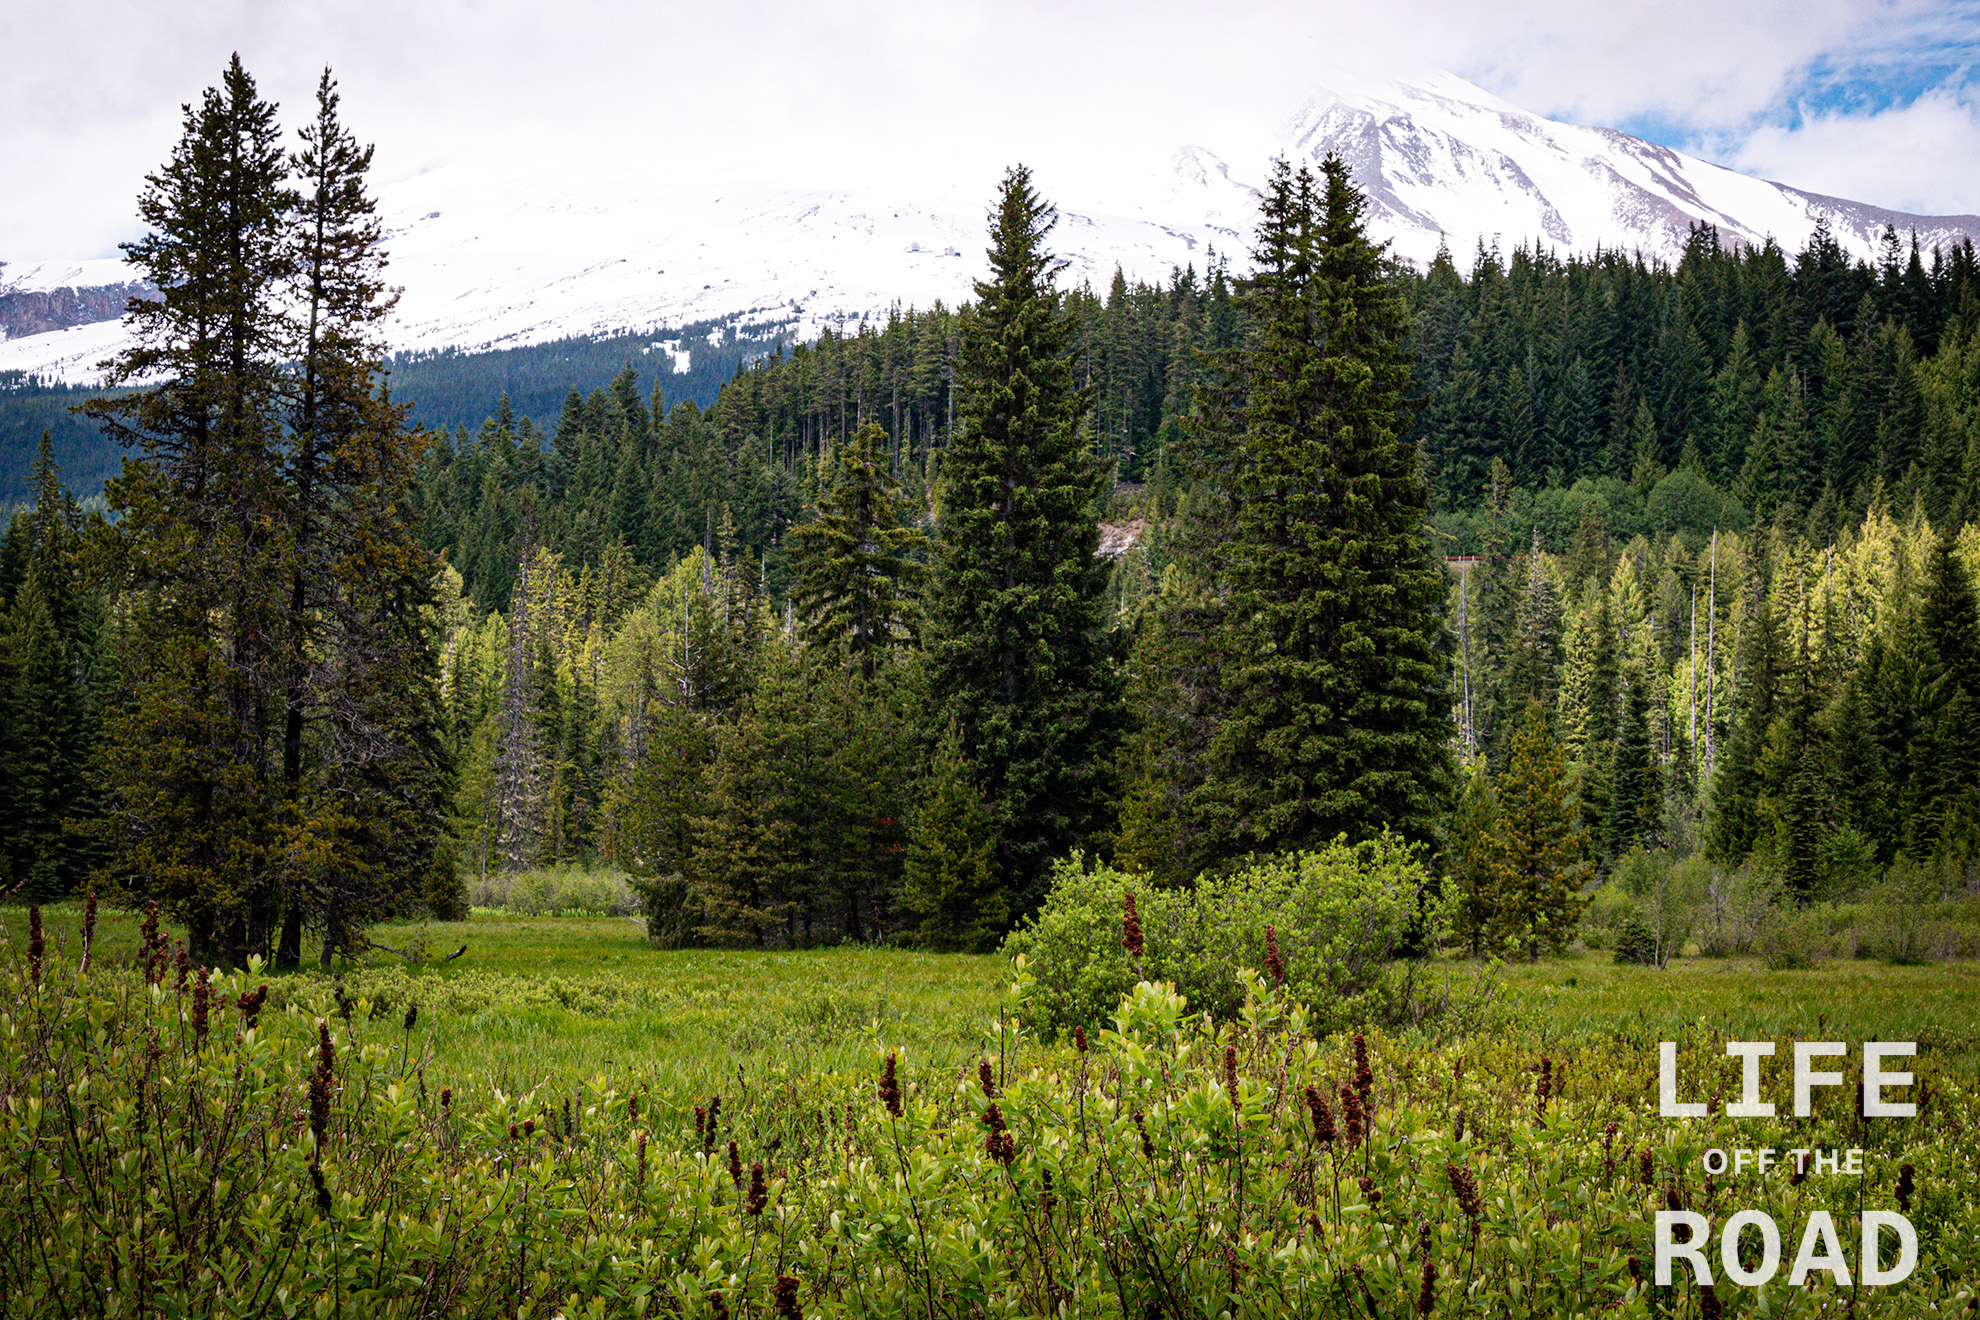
<point x="1147" y="1145"/>
<point x="412" y="1016"/>
<point x="35" y="945"/>
<point x="890" y="1088"/>
<point x="735" y="1166"/>
<point x="986" y="1078"/>
<point x="759" y="1190"/>
<point x="787" y="1298"/>
<point x="1323" y="1117"/>
<point x="1370" y="1191"/>
<point x="1426" y="1296"/>
<point x="1464" y="1187"/>
<point x="1364" y="1075"/>
<point x="720" y="1307"/>
<point x="1709" y="1307"/>
<point x="1131" y="927"/>
<point x="202" y="1003"/>
<point x="1079" y="1039"/>
<point x="1275" y="966"/>
<point x="250" y="1004"/>
<point x="1906" y="1185"/>
<point x="1351" y="1117"/>
<point x="320" y="1079"/>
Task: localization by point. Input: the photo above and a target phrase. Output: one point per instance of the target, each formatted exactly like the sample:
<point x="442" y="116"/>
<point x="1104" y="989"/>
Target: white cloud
<point x="1099" y="92"/>
<point x="1924" y="157"/>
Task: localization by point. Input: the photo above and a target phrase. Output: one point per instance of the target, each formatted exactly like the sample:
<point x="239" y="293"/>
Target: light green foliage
<point x="1172" y="1166"/>
<point x="553" y="890"/>
<point x="1340" y="913"/>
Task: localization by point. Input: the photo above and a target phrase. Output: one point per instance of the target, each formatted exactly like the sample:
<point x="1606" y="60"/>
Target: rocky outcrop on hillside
<point x="37" y="311"/>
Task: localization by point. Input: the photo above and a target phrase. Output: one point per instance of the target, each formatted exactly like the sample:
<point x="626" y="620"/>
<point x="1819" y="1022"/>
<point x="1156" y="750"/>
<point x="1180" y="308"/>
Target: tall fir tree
<point x="276" y="756"/>
<point x="1019" y="652"/>
<point x="194" y="766"/>
<point x="1338" y="721"/>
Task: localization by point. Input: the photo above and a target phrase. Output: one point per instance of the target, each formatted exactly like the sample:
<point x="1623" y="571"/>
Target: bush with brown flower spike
<point x="1275" y="966"/>
<point x="1906" y="1185"/>
<point x="786" y="1290"/>
<point x="250" y="1004"/>
<point x="758" y="1196"/>
<point x="1364" y="1074"/>
<point x="1426" y="1296"/>
<point x="735" y="1166"/>
<point x="1323" y="1117"/>
<point x="202" y="1004"/>
<point x="890" y="1087"/>
<point x="1464" y="1187"/>
<point x="320" y="1079"/>
<point x="1352" y="1118"/>
<point x="148" y="941"/>
<point x="998" y="1142"/>
<point x="35" y="947"/>
<point x="986" y="1078"/>
<point x="1131" y="928"/>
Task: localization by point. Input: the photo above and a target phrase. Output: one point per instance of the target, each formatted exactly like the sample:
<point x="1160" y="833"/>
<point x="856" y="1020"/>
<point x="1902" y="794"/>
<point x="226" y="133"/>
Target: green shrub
<point x="554" y="890"/>
<point x="445" y="895"/>
<point x="1342" y="915"/>
<point x="1636" y="943"/>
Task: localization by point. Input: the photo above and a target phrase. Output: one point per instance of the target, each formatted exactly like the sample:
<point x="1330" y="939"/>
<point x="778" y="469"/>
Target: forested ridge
<point x="1610" y="562"/>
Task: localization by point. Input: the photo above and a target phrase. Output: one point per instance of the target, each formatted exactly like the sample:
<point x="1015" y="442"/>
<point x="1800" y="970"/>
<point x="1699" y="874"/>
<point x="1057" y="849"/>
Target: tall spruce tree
<point x="194" y="759"/>
<point x="275" y="752"/>
<point x="1339" y="715"/>
<point x="1019" y="652"/>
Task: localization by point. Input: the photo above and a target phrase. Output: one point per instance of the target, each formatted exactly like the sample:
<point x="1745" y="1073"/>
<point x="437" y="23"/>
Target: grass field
<point x="561" y="1000"/>
<point x="543" y="1140"/>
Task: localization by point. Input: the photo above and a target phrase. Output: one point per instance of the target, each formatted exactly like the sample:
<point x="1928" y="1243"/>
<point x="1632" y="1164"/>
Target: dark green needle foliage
<point x="1339" y="720"/>
<point x="1019" y="653"/>
<point x="856" y="577"/>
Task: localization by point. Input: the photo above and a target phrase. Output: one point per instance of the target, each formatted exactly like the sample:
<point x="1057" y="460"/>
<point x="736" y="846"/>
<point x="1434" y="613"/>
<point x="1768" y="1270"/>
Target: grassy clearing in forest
<point x="546" y="1141"/>
<point x="563" y="999"/>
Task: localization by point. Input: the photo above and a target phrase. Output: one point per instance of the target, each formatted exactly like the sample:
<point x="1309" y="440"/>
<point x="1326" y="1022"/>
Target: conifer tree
<point x="856" y="574"/>
<point x="193" y="765"/>
<point x="1018" y="650"/>
<point x="1340" y="696"/>
<point x="276" y="754"/>
<point x="949" y="881"/>
<point x="1540" y="839"/>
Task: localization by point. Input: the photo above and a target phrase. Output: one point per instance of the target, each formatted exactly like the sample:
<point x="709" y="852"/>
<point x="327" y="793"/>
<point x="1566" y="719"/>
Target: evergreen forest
<point x="1556" y="569"/>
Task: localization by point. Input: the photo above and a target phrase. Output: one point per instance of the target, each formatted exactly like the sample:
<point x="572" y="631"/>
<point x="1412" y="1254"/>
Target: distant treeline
<point x="447" y="388"/>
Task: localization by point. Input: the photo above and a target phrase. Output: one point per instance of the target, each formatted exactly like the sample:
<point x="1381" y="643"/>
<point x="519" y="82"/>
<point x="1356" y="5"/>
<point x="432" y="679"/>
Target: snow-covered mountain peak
<point x="498" y="257"/>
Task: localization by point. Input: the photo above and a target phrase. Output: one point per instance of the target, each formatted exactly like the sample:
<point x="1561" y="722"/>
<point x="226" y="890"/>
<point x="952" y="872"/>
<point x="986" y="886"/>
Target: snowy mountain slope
<point x="1443" y="160"/>
<point x="490" y="260"/>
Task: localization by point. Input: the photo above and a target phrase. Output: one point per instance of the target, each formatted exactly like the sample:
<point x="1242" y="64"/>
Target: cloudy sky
<point x="1875" y="100"/>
